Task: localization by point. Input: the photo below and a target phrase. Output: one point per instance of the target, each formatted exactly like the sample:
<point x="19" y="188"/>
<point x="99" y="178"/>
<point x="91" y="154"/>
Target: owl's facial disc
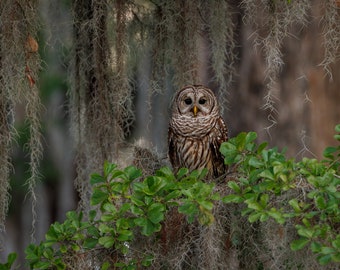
<point x="195" y="102"/>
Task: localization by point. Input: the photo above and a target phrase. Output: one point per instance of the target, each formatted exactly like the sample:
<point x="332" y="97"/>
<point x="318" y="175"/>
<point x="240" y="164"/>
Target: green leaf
<point x="267" y="174"/>
<point x="324" y="259"/>
<point x="337" y="137"/>
<point x="195" y="174"/>
<point x="254" y="205"/>
<point x="230" y="153"/>
<point x="107" y="218"/>
<point x="124" y="235"/>
<point x="148" y="200"/>
<point x="234" y="186"/>
<point x="336" y="242"/>
<point x="58" y="263"/>
<point x="75" y="218"/>
<point x="278" y="216"/>
<point x="320" y="202"/>
<point x="96" y="178"/>
<point x="336" y="257"/>
<point x="110" y="208"/>
<point x="255" y="216"/>
<point x="251" y="136"/>
<point x="141" y="221"/>
<point x="106" y="241"/>
<point x="264" y="198"/>
<point x="305" y="232"/>
<point x="337" y="128"/>
<point x="187" y="207"/>
<point x="182" y="172"/>
<point x="190" y="209"/>
<point x="42" y="265"/>
<point x="187" y="192"/>
<point x="264" y="217"/>
<point x="299" y="244"/>
<point x="203" y="174"/>
<point x="156" y="212"/>
<point x="255" y="162"/>
<point x="93" y="231"/>
<point x="232" y="198"/>
<point x="261" y="147"/>
<point x="117" y="174"/>
<point x="136" y="210"/>
<point x="78" y="236"/>
<point x="147" y="260"/>
<point x="329" y="151"/>
<point x="90" y="243"/>
<point x="153" y="184"/>
<point x="105" y="266"/>
<point x="132" y="172"/>
<point x="109" y="168"/>
<point x="172" y="195"/>
<point x="31" y="253"/>
<point x="327" y="250"/>
<point x="205" y="217"/>
<point x="149" y="228"/>
<point x="241" y="141"/>
<point x="123" y="223"/>
<point x="206" y="204"/>
<point x="63" y="249"/>
<point x="265" y="155"/>
<point x="98" y="197"/>
<point x="92" y="215"/>
<point x="51" y="235"/>
<point x="315" y="247"/>
<point x="10" y="260"/>
<point x="215" y="196"/>
<point x="166" y="172"/>
<point x="75" y="248"/>
<point x="48" y="253"/>
<point x="104" y="228"/>
<point x="137" y="201"/>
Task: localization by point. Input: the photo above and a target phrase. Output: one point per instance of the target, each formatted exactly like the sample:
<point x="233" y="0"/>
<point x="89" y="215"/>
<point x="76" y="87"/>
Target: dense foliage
<point x="265" y="181"/>
<point x="262" y="180"/>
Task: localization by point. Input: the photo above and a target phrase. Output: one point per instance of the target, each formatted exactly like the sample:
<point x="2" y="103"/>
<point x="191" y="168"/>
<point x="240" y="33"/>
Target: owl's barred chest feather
<point x="193" y="127"/>
<point x="196" y="146"/>
<point x="192" y="153"/>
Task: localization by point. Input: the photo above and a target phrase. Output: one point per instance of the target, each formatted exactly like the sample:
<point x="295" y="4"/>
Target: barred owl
<point x="196" y="131"/>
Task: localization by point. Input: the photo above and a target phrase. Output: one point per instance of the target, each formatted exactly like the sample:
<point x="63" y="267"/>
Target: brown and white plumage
<point x="196" y="131"/>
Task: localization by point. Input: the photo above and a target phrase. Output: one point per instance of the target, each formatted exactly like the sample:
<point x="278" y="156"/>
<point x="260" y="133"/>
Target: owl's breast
<point x="193" y="153"/>
<point x="194" y="127"/>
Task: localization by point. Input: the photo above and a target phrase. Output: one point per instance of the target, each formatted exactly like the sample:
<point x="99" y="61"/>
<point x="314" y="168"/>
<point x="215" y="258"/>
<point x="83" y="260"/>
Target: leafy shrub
<point x="265" y="175"/>
<point x="124" y="204"/>
<point x="265" y="183"/>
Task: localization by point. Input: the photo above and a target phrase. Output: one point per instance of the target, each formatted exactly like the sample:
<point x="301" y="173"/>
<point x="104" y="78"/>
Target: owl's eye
<point x="188" y="101"/>
<point x="202" y="101"/>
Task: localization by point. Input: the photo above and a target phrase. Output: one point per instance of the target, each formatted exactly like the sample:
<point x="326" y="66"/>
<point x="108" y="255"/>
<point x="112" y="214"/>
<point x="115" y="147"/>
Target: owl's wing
<point x="172" y="151"/>
<point x="220" y="136"/>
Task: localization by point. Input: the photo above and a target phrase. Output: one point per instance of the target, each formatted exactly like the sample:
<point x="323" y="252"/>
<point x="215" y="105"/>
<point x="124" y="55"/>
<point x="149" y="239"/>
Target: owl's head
<point x="195" y="101"/>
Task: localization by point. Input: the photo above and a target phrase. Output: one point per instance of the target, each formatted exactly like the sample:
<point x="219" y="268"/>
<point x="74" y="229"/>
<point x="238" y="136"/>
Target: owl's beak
<point x="195" y="110"/>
